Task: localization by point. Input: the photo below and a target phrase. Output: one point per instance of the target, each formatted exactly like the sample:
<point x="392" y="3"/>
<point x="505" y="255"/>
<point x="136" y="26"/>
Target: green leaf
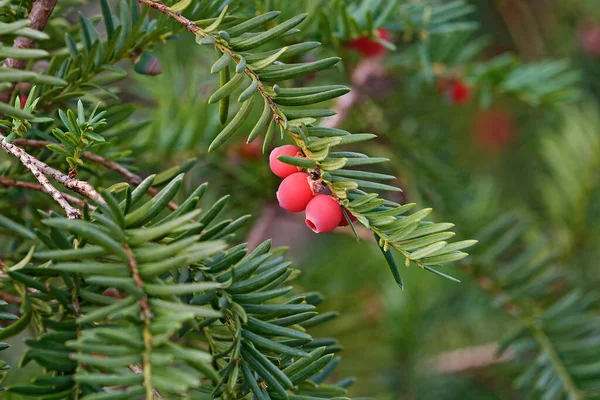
<point x="267" y="61"/>
<point x="389" y="258"/>
<point x="179" y="289"/>
<point x="252" y="23"/>
<point x="298" y="161"/>
<point x="249" y="91"/>
<point x="233" y="125"/>
<point x="299" y="70"/>
<point x="359" y="174"/>
<point x="311" y="98"/>
<point x="226" y="89"/>
<point x="108" y="18"/>
<point x="293" y="51"/>
<point x="14" y="112"/>
<point x="180" y="6"/>
<point x="218" y="21"/>
<point x="144" y="235"/>
<point x="428" y="250"/>
<point x="169" y="306"/>
<point x="262" y="121"/>
<point x="222" y="62"/>
<point x="264" y="37"/>
<point x="224" y="103"/>
<point x="90" y="232"/>
<point x="15" y="228"/>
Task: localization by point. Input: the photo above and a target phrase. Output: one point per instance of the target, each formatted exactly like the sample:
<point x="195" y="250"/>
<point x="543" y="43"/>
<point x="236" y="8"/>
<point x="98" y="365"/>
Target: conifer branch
<point x="145" y="315"/>
<point x="493" y="289"/>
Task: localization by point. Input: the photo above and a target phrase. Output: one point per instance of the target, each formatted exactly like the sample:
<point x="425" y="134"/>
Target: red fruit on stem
<point x="460" y="93"/>
<point x="295" y="192"/>
<point x="344" y="221"/>
<point x="368" y="47"/>
<point x="323" y="213"/>
<point x="23" y="99"/>
<point x="279" y="168"/>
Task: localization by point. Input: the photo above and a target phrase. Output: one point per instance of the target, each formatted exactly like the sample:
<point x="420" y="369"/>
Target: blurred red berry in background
<point x="589" y="38"/>
<point x="493" y="129"/>
<point x="460" y="93"/>
<point x="455" y="91"/>
<point x="369" y="47"/>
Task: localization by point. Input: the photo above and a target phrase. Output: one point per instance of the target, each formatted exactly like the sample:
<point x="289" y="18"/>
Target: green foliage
<point x="80" y="135"/>
<point x="147" y="300"/>
<point x="559" y="325"/>
<point x="143" y="295"/>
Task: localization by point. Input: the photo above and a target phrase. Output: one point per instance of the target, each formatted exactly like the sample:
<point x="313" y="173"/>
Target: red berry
<point x="344" y="221"/>
<point x="279" y="168"/>
<point x="368" y="47"/>
<point x="295" y="192"/>
<point x="23" y="99"/>
<point x="459" y="93"/>
<point x="323" y="213"/>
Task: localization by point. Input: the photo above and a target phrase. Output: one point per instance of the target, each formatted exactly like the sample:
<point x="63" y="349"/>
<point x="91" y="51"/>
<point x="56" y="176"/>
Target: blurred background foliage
<point x="516" y="145"/>
<point x="526" y="140"/>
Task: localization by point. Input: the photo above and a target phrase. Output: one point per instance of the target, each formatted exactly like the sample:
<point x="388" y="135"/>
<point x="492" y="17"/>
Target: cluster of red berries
<point x="455" y="91"/>
<point x="296" y="193"/>
<point x="369" y="47"/>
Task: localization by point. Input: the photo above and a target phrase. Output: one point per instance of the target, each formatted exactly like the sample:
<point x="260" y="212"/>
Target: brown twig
<point x="7" y="182"/>
<point x="76" y="185"/>
<point x="39" y="16"/>
<point x="113" y="166"/>
<point x="9" y="298"/>
<point x="36" y="167"/>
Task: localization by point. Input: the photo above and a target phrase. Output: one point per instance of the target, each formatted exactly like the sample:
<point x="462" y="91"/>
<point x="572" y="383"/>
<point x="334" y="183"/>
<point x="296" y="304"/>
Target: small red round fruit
<point x="295" y="192"/>
<point x="344" y="221"/>
<point x="460" y="93"/>
<point x="323" y="213"/>
<point x="279" y="168"/>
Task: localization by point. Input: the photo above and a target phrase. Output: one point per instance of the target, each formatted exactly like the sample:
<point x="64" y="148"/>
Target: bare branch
<point x="113" y="166"/>
<point x="33" y="166"/>
<point x="40" y="170"/>
<point x="7" y="182"/>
